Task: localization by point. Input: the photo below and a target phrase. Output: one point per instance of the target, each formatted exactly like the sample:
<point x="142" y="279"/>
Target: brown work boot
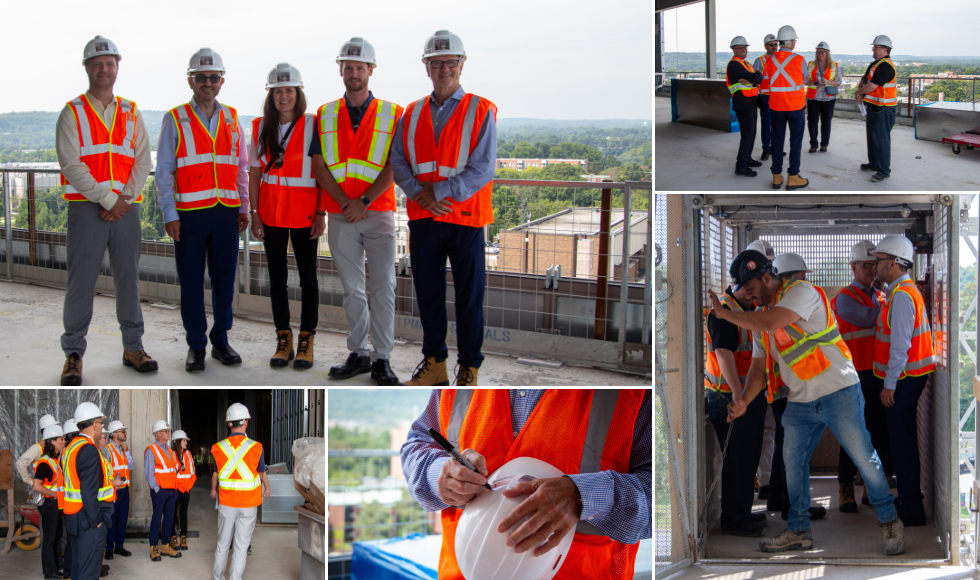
<point x="284" y="349"/>
<point x="155" y="553"/>
<point x="169" y="549"/>
<point x="140" y="361"/>
<point x="777" y="180"/>
<point x="429" y="373"/>
<point x="183" y="542"/>
<point x="847" y="503"/>
<point x="796" y="182"/>
<point x="174" y="543"/>
<point x="304" y="351"/>
<point x="466" y="376"/>
<point x="71" y="374"/>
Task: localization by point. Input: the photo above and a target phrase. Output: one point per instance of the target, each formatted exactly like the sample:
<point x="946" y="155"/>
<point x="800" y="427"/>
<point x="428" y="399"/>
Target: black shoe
<point x="868" y="167"/>
<point x="353" y="366"/>
<point x="108" y="555"/>
<point x="878" y="177"/>
<point x="764" y="492"/>
<point x="823" y="148"/>
<point x="757" y="516"/>
<point x="749" y="530"/>
<point x="195" y="360"/>
<point x="765" y="155"/>
<point x="913" y="517"/>
<point x="105" y="571"/>
<point x="754" y="163"/>
<point x="381" y="373"/>
<point x="746" y="172"/>
<point x="225" y="354"/>
<point x="122" y="551"/>
<point x="813" y="148"/>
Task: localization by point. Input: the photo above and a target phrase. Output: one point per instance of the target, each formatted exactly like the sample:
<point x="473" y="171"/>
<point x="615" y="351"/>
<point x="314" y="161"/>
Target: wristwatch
<point x="365" y="200"/>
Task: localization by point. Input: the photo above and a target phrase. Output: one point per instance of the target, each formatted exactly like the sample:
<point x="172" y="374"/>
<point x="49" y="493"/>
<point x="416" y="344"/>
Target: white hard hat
<point x="205" y="60"/>
<point x="160" y="425"/>
<point x="863" y="251"/>
<point x="738" y="41"/>
<point x="481" y="551"/>
<point x="52" y="431"/>
<point x="882" y="40"/>
<point x="823" y="45"/>
<point x="899" y="246"/>
<point x="70" y="427"/>
<point x="284" y="75"/>
<point x="237" y="412"/>
<point x="179" y="434"/>
<point x="763" y="247"/>
<point x="789" y="262"/>
<point x="46" y="421"/>
<point x="357" y="49"/>
<point x="769" y="38"/>
<point x="443" y="43"/>
<point x="100" y="46"/>
<point x="115" y="426"/>
<point x="786" y="33"/>
<point x="87" y="411"/>
<point x="105" y="431"/>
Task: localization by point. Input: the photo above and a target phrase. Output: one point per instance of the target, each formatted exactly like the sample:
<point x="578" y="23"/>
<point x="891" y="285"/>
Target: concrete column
<point x="138" y="409"/>
<point x="710" y="42"/>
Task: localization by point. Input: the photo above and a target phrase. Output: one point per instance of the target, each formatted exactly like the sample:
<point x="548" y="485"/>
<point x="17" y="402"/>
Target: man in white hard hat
<point x="236" y="484"/>
<point x="878" y="90"/>
<point x="857" y="307"/>
<point x="790" y="266"/>
<point x="787" y="100"/>
<point x="765" y="115"/>
<point x="104" y="153"/>
<point x="122" y="467"/>
<point x="160" y="470"/>
<point x="202" y="187"/>
<point x="763" y="247"/>
<point x="26" y="460"/>
<point x="350" y="158"/>
<point x="903" y="359"/>
<point x="449" y="183"/>
<point x="743" y="87"/>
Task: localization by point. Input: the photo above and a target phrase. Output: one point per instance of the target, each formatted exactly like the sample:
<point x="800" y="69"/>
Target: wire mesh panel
<point x="826" y="254"/>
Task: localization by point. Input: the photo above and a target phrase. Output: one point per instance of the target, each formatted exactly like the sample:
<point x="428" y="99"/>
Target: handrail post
<point x="248" y="258"/>
<point x="908" y="109"/>
<point x="624" y="269"/>
<point x="7" y="226"/>
<point x="602" y="273"/>
<point x="31" y="219"/>
<point x="648" y="274"/>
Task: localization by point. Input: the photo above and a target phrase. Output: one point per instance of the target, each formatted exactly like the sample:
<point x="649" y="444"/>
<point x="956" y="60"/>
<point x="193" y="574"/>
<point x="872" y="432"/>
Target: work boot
<point x="284" y="349"/>
<point x="847" y="503"/>
<point x="796" y="182"/>
<point x="174" y="543"/>
<point x="813" y="148"/>
<point x="183" y="542"/>
<point x="71" y="374"/>
<point x="168" y="549"/>
<point x="466" y="376"/>
<point x="864" y="497"/>
<point x="777" y="180"/>
<point x="868" y="167"/>
<point x="878" y="177"/>
<point x="823" y="148"/>
<point x="894" y="537"/>
<point x="304" y="351"/>
<point x="788" y="540"/>
<point x="429" y="373"/>
<point x="140" y="361"/>
<point x="155" y="553"/>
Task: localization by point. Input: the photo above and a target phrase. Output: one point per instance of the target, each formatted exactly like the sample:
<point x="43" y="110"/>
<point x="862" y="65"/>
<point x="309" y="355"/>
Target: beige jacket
<point x="24" y="463"/>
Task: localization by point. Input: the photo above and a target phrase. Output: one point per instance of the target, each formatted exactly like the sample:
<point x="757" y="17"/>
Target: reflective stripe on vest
<point x="51" y="484"/>
<point x="748" y="91"/>
<point x="464" y="144"/>
<point x="764" y="87"/>
<point x="714" y="379"/>
<point x="921" y="355"/>
<point x="811" y="73"/>
<point x="119" y="465"/>
<point x="196" y="187"/>
<point x="109" y="152"/>
<point x="781" y="71"/>
<point x="162" y="461"/>
<point x="800" y="350"/>
<point x="73" y="492"/>
<point x="887" y="94"/>
<point x="860" y="340"/>
<point x="186" y="474"/>
<point x="236" y="462"/>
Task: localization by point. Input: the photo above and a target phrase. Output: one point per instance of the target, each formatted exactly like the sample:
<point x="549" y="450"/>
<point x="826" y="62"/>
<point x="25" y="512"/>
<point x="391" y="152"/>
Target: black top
<point x="43" y="472"/>
<point x="724" y="334"/>
<point x="355" y="114"/>
<point x="884" y="74"/>
<point x="735" y="72"/>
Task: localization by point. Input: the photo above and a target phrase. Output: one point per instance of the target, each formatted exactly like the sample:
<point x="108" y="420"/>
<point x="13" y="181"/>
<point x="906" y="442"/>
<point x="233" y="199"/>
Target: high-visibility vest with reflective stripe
<point x="109" y="152"/>
<point x="886" y="95"/>
<point x="773" y="379"/>
<point x="803" y="352"/>
<point x="56" y="482"/>
<point x="734" y="86"/>
<point x="288" y="194"/>
<point x="713" y="377"/>
<point x="764" y="86"/>
<point x="922" y="359"/>
<point x="164" y="466"/>
<point x="207" y="167"/>
<point x="186" y="475"/>
<point x="73" y="489"/>
<point x="787" y="91"/>
<point x="811" y="77"/>
<point x="119" y="465"/>
<point x="356" y="159"/>
<point x="238" y="479"/>
<point x="107" y="469"/>
<point x="436" y="162"/>
<point x="860" y="341"/>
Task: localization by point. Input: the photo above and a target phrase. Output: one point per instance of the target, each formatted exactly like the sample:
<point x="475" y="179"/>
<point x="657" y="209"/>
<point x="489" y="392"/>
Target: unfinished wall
<point x="138" y="410"/>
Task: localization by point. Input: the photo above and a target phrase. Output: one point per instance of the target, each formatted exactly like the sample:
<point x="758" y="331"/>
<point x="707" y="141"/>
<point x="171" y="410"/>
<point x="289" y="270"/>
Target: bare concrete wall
<point x="138" y="409"/>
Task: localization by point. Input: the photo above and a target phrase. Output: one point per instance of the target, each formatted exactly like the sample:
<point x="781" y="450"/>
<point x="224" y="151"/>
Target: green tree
<point x="633" y="172"/>
<point x="524" y="150"/>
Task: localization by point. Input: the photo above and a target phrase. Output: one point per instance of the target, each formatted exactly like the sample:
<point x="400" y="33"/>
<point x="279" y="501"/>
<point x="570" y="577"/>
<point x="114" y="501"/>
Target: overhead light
<point x="906" y="212"/>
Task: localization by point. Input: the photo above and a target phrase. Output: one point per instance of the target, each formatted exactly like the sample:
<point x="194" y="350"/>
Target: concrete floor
<point x="30" y="352"/>
<point x="275" y="553"/>
<point x="691" y="158"/>
<point x="814" y="572"/>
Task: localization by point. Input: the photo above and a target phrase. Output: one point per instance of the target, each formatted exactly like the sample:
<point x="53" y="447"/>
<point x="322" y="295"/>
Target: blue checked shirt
<point x="616" y="503"/>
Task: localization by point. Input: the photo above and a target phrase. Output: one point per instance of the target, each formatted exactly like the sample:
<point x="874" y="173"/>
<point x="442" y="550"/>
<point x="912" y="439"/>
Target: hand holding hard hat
<point x="457" y="484"/>
<point x="550" y="511"/>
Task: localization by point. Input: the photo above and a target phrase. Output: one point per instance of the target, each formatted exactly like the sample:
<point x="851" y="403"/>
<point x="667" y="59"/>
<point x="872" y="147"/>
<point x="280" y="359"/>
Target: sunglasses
<point x="215" y="79"/>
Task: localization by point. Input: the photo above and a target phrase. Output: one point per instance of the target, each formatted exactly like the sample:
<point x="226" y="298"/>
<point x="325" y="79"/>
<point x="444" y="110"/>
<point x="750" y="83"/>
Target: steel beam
<point x="825" y="199"/>
<point x="710" y="47"/>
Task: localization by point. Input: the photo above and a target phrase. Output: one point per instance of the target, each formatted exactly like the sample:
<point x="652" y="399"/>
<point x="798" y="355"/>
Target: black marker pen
<point x="445" y="444"/>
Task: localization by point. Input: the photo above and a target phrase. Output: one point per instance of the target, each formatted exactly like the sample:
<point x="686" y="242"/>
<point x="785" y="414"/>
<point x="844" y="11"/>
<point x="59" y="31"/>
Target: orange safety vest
<point x="773" y="379"/>
<point x="119" y="465"/>
<point x="238" y="479"/>
<point x="288" y="195"/>
<point x="764" y="86"/>
<point x="56" y="482"/>
<point x="812" y="71"/>
<point x="164" y="466"/>
<point x="860" y="340"/>
<point x="356" y="159"/>
<point x="577" y="431"/>
<point x="713" y="377"/>
<point x="886" y="95"/>
<point x="786" y="83"/>
<point x="109" y="152"/>
<point x="922" y="360"/>
<point x="186" y="476"/>
<point x="437" y="162"/>
<point x="207" y="167"/>
<point x="73" y="491"/>
<point x="734" y="86"/>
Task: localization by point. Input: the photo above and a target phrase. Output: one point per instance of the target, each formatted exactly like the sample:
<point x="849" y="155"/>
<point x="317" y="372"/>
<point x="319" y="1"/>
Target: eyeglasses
<point x="867" y="265"/>
<point x="437" y="64"/>
<point x="215" y="79"/>
<point x="772" y="44"/>
<point x="883" y="260"/>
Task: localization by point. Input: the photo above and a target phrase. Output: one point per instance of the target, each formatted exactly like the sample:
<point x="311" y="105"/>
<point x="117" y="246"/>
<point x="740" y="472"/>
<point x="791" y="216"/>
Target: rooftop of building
<point x="581" y="221"/>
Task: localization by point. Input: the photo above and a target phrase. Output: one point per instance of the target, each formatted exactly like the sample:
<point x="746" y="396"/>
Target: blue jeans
<point x="878" y="127"/>
<point x="765" y="116"/>
<point x="797" y="123"/>
<point x="843" y="413"/>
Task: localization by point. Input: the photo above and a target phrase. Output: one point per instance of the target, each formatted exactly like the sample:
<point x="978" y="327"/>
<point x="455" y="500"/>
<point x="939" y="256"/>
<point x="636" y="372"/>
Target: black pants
<point x="180" y="513"/>
<point x="66" y="563"/>
<point x="52" y="527"/>
<point x="874" y="418"/>
<point x="741" y="459"/>
<point x="822" y="111"/>
<point x="778" y="496"/>
<point x="304" y="249"/>
<point x="747" y="120"/>
<point x="88" y="549"/>
<point x="901" y="419"/>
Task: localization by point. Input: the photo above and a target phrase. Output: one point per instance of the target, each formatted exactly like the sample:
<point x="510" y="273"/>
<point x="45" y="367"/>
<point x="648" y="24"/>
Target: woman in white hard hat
<point x="49" y="482"/>
<point x="25" y="464"/>
<point x="822" y="84"/>
<point x="286" y="204"/>
<point x="186" y="476"/>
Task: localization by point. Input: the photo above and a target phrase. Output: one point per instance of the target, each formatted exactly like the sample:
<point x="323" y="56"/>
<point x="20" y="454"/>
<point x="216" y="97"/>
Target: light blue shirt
<point x="149" y="466"/>
<point x="167" y="162"/>
<point x="853" y="312"/>
<point x="480" y="166"/>
<point x="901" y="317"/>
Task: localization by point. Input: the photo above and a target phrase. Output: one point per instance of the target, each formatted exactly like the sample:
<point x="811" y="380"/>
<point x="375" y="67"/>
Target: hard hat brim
<point x="357" y="59"/>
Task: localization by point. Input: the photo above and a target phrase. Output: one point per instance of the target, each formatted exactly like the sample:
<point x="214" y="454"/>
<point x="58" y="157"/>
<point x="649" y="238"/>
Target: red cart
<point x="969" y="139"/>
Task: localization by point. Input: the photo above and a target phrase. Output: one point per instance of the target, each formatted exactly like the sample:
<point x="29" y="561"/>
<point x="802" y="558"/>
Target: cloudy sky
<point x="571" y="60"/>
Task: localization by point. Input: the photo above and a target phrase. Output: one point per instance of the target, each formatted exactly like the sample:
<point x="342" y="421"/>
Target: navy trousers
<point x="822" y="112"/>
<point x="797" y="123"/>
<point x="765" y="116"/>
<point x="904" y="440"/>
<point x="66" y="562"/>
<point x="878" y="127"/>
<point x="747" y="120"/>
<point x="163" y="508"/>
<point x="117" y="535"/>
<point x="431" y="242"/>
<point x="87" y="552"/>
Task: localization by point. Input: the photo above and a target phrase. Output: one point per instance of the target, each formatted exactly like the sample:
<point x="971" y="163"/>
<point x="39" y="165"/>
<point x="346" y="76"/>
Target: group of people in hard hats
<point x="857" y="364"/>
<point x="85" y="481"/>
<point x="781" y="84"/>
<point x="297" y="169"/>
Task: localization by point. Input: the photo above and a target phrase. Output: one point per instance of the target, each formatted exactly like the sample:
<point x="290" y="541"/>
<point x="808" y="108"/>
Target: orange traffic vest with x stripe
<point x="861" y="341"/>
<point x="713" y="377"/>
<point x="164" y="465"/>
<point x="288" y="194"/>
<point x="922" y="360"/>
<point x="119" y="465"/>
<point x="109" y="152"/>
<point x="56" y="482"/>
<point x="73" y="489"/>
<point x="787" y="91"/>
<point x="886" y="95"/>
<point x="237" y="460"/>
<point x="207" y="167"/>
<point x="734" y="86"/>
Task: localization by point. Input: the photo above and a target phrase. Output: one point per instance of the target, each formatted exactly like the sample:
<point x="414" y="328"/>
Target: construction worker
<point x="286" y="203"/>
<point x="790" y="266"/>
<point x="787" y="99"/>
<point x="449" y="182"/>
<point x="857" y="307"/>
<point x="70" y="431"/>
<point x="186" y="476"/>
<point x="606" y="503"/>
<point x="122" y="466"/>
<point x="742" y="81"/>
<point x="822" y="84"/>
<point x="823" y="392"/>
<point x="903" y="359"/>
<point x="160" y="470"/>
<point x="350" y="157"/>
<point x="237" y="485"/>
<point x="89" y="495"/>
<point x="26" y="462"/>
<point x="772" y="45"/>
<point x="878" y="90"/>
<point x="104" y="153"/>
<point x="202" y="188"/>
<point x="49" y="482"/>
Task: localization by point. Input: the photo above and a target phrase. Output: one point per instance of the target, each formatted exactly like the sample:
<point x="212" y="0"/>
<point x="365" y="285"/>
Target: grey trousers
<point x="238" y="523"/>
<point x="373" y="236"/>
<point x="88" y="238"/>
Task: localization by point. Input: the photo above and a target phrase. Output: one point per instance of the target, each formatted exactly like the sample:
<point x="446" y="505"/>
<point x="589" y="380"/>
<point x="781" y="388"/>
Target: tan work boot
<point x="284" y="349"/>
<point x="140" y="361"/>
<point x="183" y="542"/>
<point x="894" y="532"/>
<point x="304" y="351"/>
<point x="796" y="182"/>
<point x="168" y="549"/>
<point x="777" y="180"/>
<point x="466" y="376"/>
<point x="429" y="373"/>
<point x="71" y="373"/>
<point x="788" y="540"/>
<point x="155" y="553"/>
<point x="847" y="503"/>
<point x="174" y="543"/>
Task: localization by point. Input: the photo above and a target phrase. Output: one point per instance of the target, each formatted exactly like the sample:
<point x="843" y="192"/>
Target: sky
<point x="574" y="60"/>
<point x="945" y="28"/>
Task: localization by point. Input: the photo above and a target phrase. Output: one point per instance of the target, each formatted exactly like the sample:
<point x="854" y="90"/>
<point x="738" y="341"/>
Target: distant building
<point x="522" y="164"/>
<point x="594" y="178"/>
